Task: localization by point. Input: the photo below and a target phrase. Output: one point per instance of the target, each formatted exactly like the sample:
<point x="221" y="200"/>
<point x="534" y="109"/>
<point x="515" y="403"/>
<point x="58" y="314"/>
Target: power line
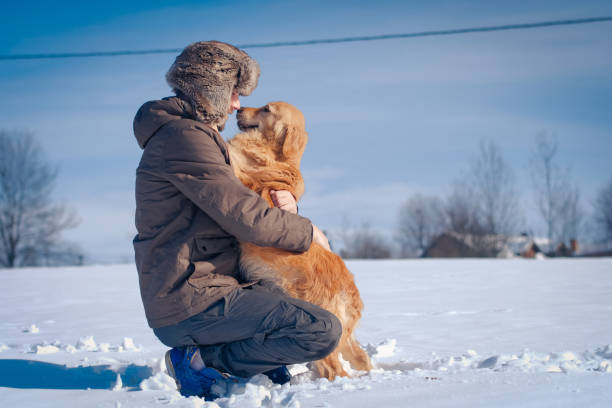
<point x="320" y="41"/>
<point x="434" y="33"/>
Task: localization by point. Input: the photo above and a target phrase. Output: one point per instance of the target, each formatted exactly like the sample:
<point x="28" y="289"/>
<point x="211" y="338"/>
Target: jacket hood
<point x="154" y="114"/>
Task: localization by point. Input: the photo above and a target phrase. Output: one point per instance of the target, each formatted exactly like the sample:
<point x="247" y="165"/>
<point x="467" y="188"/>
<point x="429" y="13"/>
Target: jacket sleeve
<point x="194" y="163"/>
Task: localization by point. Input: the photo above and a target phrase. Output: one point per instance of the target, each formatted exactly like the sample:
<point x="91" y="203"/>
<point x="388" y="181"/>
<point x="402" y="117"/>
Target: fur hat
<point x="207" y="72"/>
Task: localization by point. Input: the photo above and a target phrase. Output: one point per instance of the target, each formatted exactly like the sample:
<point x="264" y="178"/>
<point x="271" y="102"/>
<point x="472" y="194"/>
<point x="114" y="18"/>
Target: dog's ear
<point x="294" y="142"/>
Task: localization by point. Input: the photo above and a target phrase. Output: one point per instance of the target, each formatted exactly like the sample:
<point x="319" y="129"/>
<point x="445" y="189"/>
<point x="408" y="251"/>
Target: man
<point x="191" y="213"/>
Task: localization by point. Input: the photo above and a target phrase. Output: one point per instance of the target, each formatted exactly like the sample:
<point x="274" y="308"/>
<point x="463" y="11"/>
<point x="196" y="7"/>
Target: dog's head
<point x="280" y="123"/>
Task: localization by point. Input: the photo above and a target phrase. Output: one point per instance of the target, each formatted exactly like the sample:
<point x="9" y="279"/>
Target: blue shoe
<point x="188" y="381"/>
<point x="279" y="375"/>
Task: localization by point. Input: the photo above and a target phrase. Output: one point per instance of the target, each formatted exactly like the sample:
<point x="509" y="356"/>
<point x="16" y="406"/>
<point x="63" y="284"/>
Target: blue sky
<point x="386" y="118"/>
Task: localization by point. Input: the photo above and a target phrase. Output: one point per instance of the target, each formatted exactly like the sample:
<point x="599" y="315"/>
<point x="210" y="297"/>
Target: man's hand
<point x="320" y="238"/>
<point x="284" y="200"/>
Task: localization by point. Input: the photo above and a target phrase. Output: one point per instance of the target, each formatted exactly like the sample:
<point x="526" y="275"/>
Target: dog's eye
<point x="266" y="108"/>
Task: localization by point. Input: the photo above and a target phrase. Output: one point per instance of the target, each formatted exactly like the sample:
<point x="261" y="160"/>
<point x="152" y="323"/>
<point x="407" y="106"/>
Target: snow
<point x="46" y="349"/>
<point x="32" y="329"/>
<point x="87" y="344"/>
<point x="385" y="348"/>
<point x="441" y="333"/>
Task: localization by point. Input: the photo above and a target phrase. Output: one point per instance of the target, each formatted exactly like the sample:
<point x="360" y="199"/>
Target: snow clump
<point x="160" y="381"/>
<point x="46" y="349"/>
<point x="528" y="361"/>
<point x="128" y="344"/>
<point x="385" y="348"/>
<point x="104" y="347"/>
<point x="42" y="348"/>
<point x="70" y="348"/>
<point x="118" y="383"/>
<point x="87" y="343"/>
<point x="258" y="391"/>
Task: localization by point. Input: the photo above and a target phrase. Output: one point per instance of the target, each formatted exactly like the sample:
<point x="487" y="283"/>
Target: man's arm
<point x="284" y="200"/>
<point x="193" y="162"/>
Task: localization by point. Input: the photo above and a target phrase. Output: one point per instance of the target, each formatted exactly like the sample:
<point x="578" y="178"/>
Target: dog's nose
<point x="239" y="110"/>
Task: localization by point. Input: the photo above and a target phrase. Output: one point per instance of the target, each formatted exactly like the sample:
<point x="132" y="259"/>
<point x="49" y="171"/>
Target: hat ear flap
<point x="294" y="143"/>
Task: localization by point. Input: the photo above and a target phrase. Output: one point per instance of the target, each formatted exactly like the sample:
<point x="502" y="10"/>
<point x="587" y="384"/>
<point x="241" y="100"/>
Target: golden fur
<point x="266" y="156"/>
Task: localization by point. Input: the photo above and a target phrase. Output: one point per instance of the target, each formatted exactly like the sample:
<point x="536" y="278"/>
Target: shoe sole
<point x="170" y="369"/>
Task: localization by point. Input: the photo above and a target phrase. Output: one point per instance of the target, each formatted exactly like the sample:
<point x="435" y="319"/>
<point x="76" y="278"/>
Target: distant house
<point x="531" y="251"/>
<point x="593" y="250"/>
<point x="563" y="250"/>
<point x="525" y="246"/>
<point x="450" y="245"/>
<point x="455" y="245"/>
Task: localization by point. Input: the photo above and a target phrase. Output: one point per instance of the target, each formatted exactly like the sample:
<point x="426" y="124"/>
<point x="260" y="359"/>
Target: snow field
<point x="86" y="343"/>
<point x="441" y="333"/>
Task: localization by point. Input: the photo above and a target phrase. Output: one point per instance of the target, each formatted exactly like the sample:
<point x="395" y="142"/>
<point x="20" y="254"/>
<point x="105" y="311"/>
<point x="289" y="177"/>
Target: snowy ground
<point x="443" y="333"/>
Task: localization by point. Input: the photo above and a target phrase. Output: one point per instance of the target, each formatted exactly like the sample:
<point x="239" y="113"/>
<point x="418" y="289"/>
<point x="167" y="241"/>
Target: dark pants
<point x="256" y="329"/>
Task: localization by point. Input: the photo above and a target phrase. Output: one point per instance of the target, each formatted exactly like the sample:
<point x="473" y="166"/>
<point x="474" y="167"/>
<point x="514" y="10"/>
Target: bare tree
<point x="571" y="215"/>
<point x="603" y="213"/>
<point x="463" y="217"/>
<point x="365" y="244"/>
<point x="461" y="210"/>
<point x="30" y="224"/>
<point x="557" y="199"/>
<point x="421" y="219"/>
<point x="547" y="181"/>
<point x="483" y="205"/>
<point x="493" y="187"/>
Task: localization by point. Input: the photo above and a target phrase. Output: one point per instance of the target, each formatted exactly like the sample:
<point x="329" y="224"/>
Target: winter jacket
<point x="191" y="212"/>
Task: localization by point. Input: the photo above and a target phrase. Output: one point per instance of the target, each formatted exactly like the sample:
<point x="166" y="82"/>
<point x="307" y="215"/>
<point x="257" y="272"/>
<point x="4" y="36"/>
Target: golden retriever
<point x="266" y="156"/>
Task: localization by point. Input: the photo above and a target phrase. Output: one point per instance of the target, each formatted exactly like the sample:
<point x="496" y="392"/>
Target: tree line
<point x="485" y="205"/>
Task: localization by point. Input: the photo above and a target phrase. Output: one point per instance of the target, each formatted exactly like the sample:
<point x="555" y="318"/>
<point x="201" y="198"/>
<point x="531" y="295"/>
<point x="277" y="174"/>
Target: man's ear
<point x="294" y="143"/>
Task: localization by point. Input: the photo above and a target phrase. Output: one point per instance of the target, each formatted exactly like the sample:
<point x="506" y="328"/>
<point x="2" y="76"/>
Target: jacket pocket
<point x="213" y="260"/>
<point x="211" y="280"/>
<point x="206" y="247"/>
